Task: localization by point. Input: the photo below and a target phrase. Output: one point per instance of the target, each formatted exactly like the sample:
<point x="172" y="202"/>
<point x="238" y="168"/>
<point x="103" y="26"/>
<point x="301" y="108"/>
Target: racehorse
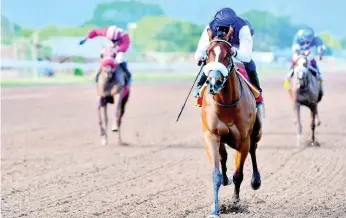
<point x="305" y="90"/>
<point x="229" y="116"/>
<point x="111" y="89"/>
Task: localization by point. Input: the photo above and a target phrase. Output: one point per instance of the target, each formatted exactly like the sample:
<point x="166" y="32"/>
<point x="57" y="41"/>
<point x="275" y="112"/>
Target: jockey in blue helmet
<point x="241" y="41"/>
<point x="304" y="41"/>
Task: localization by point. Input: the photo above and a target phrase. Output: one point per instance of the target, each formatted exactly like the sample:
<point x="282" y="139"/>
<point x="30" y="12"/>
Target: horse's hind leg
<point x="223" y="160"/>
<point x="213" y="146"/>
<point x="313" y="124"/>
<point x="256" y="176"/>
<point x="318" y="121"/>
<point x="240" y="158"/>
<point x="122" y="108"/>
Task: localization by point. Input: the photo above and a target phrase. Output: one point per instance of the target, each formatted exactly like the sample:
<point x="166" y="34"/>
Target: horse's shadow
<point x="124" y="144"/>
<point x="309" y="144"/>
<point x="235" y="207"/>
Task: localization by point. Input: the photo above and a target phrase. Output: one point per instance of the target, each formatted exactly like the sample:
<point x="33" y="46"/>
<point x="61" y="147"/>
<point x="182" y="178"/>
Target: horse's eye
<point x="207" y="82"/>
<point x="218" y="82"/>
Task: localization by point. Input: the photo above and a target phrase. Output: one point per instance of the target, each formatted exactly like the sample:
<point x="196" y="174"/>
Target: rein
<point x="230" y="67"/>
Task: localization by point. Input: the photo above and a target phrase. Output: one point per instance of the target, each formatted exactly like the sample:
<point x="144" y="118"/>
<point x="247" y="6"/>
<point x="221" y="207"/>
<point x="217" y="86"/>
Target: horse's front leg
<point x="292" y="98"/>
<point x="117" y="96"/>
<point x="116" y="93"/>
<point x="212" y="143"/>
<point x="299" y="123"/>
<point x="223" y="160"/>
<point x="103" y="121"/>
<point x="240" y="158"/>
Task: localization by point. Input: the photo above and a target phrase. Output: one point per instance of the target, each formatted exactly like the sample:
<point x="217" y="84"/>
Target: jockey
<point x="241" y="40"/>
<point x="304" y="41"/>
<point x="119" y="38"/>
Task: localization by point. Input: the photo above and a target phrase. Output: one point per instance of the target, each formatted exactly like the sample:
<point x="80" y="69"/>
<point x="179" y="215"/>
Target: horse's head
<point x="107" y="68"/>
<point x="219" y="61"/>
<point x="107" y="61"/>
<point x="301" y="71"/>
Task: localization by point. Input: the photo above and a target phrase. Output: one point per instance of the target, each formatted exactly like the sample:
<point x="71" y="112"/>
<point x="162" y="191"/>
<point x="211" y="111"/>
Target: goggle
<point x="304" y="43"/>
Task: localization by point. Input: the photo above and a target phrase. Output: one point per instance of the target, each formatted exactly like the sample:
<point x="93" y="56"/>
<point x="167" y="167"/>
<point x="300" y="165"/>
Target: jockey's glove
<point x="82" y="41"/>
<point x="201" y="61"/>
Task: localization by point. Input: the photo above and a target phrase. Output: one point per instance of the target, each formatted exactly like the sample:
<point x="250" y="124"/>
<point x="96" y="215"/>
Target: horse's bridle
<point x="230" y="67"/>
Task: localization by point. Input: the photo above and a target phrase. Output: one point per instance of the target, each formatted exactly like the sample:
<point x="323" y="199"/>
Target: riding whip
<point x="182" y="108"/>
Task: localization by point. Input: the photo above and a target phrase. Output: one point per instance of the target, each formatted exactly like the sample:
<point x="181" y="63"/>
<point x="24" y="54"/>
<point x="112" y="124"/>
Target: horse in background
<point x="305" y="90"/>
<point x="112" y="89"/>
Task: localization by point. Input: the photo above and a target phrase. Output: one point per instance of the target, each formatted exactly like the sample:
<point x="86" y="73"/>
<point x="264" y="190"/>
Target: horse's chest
<point x="226" y="121"/>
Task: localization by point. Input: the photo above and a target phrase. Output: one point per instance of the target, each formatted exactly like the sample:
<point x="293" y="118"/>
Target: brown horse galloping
<point x="228" y="117"/>
<point x="111" y="89"/>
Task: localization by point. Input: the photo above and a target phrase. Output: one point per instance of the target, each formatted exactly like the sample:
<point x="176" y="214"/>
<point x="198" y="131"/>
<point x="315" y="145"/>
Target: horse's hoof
<point x="226" y="181"/>
<point x="256" y="181"/>
<point x="235" y="198"/>
<point x="115" y="128"/>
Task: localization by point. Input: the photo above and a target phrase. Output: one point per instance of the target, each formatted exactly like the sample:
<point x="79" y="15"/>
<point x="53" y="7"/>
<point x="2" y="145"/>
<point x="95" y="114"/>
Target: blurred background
<point x="39" y="38"/>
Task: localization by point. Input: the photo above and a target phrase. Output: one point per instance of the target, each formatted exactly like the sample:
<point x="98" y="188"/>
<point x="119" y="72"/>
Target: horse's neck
<point x="231" y="92"/>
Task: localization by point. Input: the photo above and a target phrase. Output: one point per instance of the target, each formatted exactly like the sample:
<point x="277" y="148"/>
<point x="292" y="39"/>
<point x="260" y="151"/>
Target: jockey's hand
<point x="82" y="41"/>
<point x="201" y="61"/>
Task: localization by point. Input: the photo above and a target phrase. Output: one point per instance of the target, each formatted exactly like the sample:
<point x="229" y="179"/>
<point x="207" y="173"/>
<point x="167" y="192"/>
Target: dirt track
<point x="54" y="166"/>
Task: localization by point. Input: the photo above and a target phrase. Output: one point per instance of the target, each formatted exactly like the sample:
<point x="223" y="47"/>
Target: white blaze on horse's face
<point x="217" y="51"/>
<point x="300" y="71"/>
<point x="215" y="71"/>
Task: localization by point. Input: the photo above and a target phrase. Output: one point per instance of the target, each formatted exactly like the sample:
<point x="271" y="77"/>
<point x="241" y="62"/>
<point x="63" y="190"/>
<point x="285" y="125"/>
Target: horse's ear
<point x="229" y="34"/>
<point x="210" y="34"/>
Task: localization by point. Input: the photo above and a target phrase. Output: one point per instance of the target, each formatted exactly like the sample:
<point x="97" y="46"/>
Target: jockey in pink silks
<point x="119" y="38"/>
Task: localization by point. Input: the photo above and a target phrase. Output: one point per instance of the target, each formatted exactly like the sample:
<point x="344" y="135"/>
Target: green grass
<point x="90" y="79"/>
<point x="73" y="80"/>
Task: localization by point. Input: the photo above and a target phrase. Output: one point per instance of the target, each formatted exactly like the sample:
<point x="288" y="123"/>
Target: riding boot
<point x="199" y="85"/>
<point x="128" y="76"/>
<point x="254" y="79"/>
